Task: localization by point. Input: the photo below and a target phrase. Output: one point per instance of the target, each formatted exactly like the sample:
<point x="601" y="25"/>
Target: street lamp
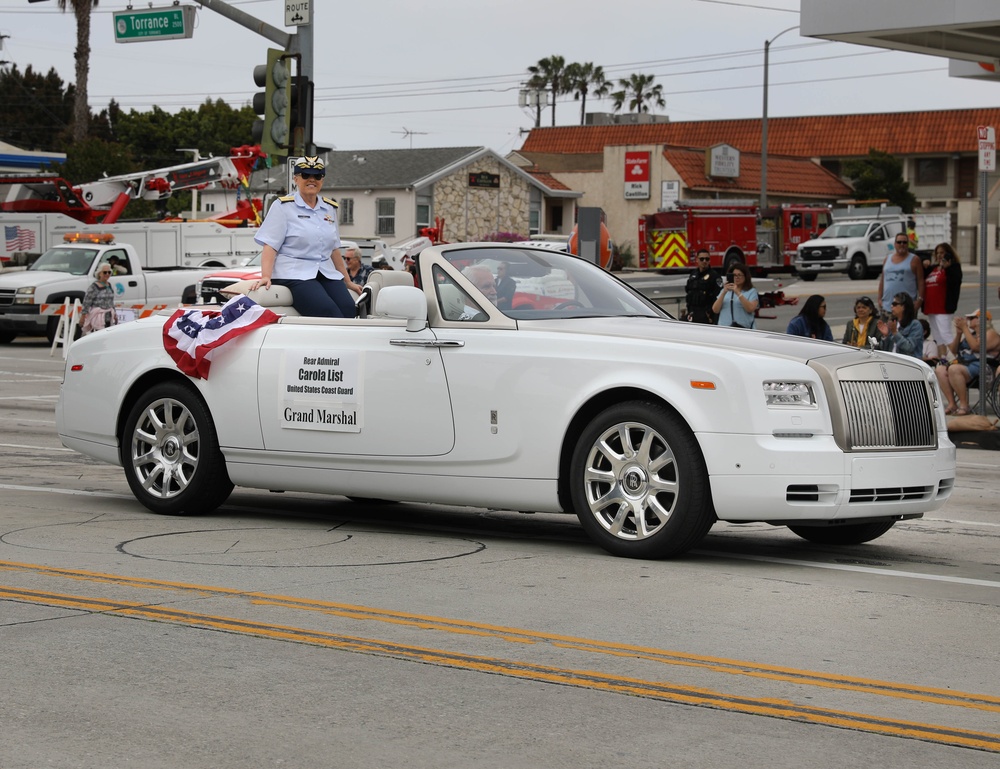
<point x="763" y="122"/>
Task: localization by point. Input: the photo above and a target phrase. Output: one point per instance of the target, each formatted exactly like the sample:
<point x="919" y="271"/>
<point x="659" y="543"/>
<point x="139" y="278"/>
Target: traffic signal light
<point x="273" y="132"/>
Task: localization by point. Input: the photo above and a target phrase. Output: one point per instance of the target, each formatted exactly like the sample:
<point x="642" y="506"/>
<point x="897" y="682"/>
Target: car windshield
<point x="75" y="261"/>
<point x="845" y="230"/>
<point x="532" y="284"/>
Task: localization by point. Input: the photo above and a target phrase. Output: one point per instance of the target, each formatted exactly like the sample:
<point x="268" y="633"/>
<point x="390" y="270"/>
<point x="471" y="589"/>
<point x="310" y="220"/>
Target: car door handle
<point x="426" y="343"/>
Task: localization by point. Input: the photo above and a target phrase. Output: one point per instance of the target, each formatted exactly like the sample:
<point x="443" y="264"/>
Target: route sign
<point x="173" y="23"/>
<point x="987" y="148"/>
<point x="297" y="13"/>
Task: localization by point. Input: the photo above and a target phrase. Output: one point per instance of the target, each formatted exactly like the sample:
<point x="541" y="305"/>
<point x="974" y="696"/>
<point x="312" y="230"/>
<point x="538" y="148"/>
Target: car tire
<point x="808" y="277"/>
<point x="170" y="452"/>
<point x="638" y="482"/>
<point x="850" y="534"/>
<point x="858" y="268"/>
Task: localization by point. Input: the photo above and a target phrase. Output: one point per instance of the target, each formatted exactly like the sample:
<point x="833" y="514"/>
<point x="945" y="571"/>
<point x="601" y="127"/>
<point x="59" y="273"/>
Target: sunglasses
<point x="902" y="242"/>
<point x="312" y="174"/>
<point x="704" y="259"/>
<point x="104" y="272"/>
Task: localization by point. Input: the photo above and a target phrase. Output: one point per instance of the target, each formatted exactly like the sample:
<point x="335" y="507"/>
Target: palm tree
<point x="640" y="93"/>
<point x="549" y="73"/>
<point x="81" y="110"/>
<point x="579" y="78"/>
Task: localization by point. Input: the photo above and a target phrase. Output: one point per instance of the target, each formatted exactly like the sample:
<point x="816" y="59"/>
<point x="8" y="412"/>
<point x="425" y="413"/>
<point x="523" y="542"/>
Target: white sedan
<point x="556" y="389"/>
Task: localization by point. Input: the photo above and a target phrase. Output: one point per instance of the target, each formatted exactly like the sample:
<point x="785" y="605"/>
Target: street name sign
<point x="173" y="23"/>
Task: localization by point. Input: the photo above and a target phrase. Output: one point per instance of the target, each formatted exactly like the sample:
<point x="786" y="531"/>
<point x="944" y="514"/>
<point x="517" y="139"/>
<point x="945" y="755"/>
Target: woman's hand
<point x="730" y="287"/>
<point x="353" y="286"/>
<point x="264" y="283"/>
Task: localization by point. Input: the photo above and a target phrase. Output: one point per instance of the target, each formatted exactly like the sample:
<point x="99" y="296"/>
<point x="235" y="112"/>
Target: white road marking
<point x="27" y="446"/>
<point x="68" y="492"/>
<point x="859" y="569"/>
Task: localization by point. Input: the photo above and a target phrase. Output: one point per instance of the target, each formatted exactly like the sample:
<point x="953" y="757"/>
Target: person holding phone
<point x="737" y="304"/>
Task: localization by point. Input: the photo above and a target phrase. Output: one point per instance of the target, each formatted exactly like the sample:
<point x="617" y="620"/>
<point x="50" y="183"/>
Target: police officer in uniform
<point x="703" y="285"/>
<point x="301" y="247"/>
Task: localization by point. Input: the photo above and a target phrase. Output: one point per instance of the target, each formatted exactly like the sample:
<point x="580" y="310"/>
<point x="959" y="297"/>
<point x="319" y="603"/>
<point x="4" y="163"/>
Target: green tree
<point x="549" y="74"/>
<point x="37" y="109"/>
<point x="92" y="158"/>
<point x="879" y="176"/>
<point x="81" y="110"/>
<point x="640" y="93"/>
<point x="584" y="79"/>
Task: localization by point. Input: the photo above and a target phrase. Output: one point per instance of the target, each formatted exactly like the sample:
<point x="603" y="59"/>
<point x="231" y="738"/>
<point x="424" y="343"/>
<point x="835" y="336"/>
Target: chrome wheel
<point x="166" y="444"/>
<point x="638" y="482"/>
<point x="631" y="481"/>
<point x="171" y="454"/>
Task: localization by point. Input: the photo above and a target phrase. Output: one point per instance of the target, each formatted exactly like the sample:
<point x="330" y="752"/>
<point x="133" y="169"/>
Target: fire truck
<point x="37" y="211"/>
<point x="732" y="231"/>
<point x="102" y="201"/>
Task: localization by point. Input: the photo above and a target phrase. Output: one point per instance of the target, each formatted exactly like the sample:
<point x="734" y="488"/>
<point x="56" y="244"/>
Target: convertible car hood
<point x="679" y="332"/>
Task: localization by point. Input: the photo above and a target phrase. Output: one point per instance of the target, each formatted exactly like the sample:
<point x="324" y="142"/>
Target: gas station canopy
<point x="956" y="29"/>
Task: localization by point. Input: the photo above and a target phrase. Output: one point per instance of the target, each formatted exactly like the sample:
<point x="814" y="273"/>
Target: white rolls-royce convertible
<point x="556" y="388"/>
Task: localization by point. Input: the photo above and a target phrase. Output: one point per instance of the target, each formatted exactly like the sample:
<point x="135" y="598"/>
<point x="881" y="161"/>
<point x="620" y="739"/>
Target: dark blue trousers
<point x="321" y="297"/>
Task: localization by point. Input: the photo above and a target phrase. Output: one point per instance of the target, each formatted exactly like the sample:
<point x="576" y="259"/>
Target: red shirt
<point x="935" y="288"/>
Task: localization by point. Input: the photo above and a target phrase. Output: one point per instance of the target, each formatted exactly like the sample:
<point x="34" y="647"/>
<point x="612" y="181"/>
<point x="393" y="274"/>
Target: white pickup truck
<point x="859" y="241"/>
<point x="66" y="271"/>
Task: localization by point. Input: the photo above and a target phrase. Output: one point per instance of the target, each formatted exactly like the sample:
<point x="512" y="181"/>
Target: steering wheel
<point x="567" y="305"/>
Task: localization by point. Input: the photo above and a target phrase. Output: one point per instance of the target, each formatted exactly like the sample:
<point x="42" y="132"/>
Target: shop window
<point x="931" y="171"/>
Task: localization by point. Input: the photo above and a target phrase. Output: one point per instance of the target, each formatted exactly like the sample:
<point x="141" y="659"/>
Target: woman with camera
<point x="901" y="332"/>
<point x="737" y="304"/>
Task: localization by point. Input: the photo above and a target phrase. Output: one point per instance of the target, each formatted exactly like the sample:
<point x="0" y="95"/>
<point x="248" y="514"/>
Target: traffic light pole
<point x="300" y="43"/>
<point x="273" y="34"/>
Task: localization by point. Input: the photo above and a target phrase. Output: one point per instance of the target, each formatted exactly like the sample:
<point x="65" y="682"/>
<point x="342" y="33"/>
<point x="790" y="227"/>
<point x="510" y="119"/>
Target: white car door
<point x="354" y="387"/>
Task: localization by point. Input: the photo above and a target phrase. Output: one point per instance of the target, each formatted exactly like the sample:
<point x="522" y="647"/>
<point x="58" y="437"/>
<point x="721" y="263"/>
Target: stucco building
<point x="938" y="149"/>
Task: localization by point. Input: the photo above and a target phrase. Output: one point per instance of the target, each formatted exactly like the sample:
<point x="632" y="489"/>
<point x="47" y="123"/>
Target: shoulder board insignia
<point x="332" y="202"/>
<point x="287" y="198"/>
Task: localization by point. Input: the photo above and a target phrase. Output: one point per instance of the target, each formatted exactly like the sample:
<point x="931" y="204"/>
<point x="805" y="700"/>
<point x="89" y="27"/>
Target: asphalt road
<point x="296" y="630"/>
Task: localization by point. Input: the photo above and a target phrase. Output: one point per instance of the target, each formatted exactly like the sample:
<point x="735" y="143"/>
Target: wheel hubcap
<point x="631" y="481"/>
<point x="165" y="448"/>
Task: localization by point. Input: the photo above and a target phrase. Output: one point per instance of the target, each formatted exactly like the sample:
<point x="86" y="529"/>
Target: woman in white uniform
<point x="301" y="245"/>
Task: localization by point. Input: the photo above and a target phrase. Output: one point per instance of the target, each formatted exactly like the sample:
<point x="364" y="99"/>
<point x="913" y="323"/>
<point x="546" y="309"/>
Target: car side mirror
<point x="405" y="302"/>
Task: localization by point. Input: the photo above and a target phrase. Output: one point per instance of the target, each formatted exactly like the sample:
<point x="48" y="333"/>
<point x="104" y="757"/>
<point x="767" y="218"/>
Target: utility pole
<point x="763" y="122"/>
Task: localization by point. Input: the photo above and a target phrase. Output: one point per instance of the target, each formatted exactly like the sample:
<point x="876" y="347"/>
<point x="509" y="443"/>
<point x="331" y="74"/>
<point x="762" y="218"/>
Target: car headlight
<point x="25" y="295"/>
<point x="843" y="251"/>
<point x="797" y="394"/>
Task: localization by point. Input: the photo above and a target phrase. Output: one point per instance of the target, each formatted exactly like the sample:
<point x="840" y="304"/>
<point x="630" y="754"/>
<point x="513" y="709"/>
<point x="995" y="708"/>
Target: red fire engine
<point x="732" y="231"/>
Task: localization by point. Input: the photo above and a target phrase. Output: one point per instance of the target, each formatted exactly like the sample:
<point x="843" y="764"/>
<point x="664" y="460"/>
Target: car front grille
<point x="819" y="253"/>
<point x="889" y="414"/>
<point x="6" y="297"/>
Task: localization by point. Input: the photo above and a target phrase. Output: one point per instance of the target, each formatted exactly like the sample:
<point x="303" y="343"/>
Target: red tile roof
<point x="827" y="136"/>
<point x="785" y="176"/>
<point x="552" y="183"/>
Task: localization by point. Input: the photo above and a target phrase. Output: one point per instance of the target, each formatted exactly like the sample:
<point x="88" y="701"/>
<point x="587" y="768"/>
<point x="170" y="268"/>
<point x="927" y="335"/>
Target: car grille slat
<point x="888" y="414"/>
<point x="6" y="297"/>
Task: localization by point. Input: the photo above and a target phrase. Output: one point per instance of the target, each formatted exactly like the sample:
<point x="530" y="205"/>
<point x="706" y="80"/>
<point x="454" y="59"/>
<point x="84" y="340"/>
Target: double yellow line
<point x="663" y="691"/>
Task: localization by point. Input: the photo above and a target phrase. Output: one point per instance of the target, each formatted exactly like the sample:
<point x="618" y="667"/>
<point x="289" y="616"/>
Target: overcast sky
<point x="440" y="73"/>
